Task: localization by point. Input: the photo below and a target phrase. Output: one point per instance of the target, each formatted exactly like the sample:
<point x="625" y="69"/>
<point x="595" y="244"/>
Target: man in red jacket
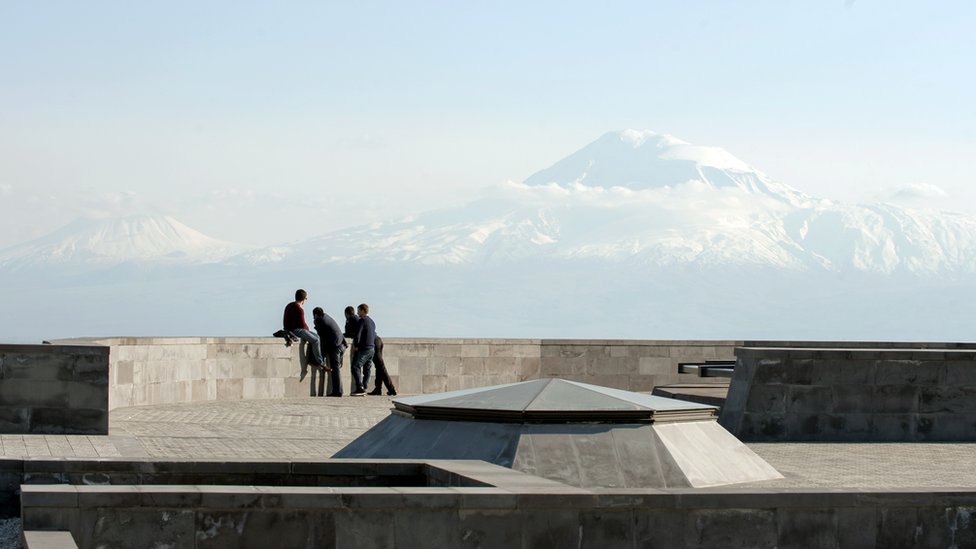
<point x="294" y="323"/>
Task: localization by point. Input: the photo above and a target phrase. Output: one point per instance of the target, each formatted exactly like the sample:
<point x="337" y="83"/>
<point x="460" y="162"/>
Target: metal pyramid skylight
<point x="551" y="401"/>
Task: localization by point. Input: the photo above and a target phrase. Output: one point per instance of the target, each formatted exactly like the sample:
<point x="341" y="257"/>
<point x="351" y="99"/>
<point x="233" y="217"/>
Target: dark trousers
<point x="360" y="369"/>
<point x="382" y="377"/>
<point x="334" y="359"/>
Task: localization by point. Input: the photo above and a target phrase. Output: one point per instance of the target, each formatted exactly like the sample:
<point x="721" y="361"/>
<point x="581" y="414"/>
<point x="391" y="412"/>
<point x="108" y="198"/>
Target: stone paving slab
<point x="316" y="428"/>
<point x="870" y="464"/>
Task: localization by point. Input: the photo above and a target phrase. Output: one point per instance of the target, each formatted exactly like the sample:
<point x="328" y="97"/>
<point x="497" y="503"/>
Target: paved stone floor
<point x="316" y="428"/>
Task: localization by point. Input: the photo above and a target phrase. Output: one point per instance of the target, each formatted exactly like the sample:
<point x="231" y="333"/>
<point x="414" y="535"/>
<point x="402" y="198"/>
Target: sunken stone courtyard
<point x="214" y="442"/>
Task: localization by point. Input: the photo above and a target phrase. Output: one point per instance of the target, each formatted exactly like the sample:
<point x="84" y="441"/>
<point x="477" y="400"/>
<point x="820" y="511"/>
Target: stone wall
<point x="173" y="370"/>
<point x="54" y="389"/>
<point x="632" y="365"/>
<point x="861" y="394"/>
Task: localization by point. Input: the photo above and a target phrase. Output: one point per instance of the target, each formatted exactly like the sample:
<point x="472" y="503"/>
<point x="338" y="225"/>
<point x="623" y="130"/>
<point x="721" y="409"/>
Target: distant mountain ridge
<point x="634" y="197"/>
<point x="106" y="242"/>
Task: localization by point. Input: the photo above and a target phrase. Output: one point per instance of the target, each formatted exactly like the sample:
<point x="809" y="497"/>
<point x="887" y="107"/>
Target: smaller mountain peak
<point x="115" y="240"/>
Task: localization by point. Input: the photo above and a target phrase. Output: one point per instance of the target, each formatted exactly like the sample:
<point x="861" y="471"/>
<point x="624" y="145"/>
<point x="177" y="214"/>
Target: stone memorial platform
<point x="216" y="450"/>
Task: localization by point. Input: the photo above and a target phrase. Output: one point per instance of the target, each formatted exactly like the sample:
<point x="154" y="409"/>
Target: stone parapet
<point x="54" y="389"/>
<point x="146" y="371"/>
<point x="853" y="394"/>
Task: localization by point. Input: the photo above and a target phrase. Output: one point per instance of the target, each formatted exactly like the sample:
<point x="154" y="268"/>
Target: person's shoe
<point x="375" y="392"/>
<point x="359" y="393"/>
<point x="304" y="374"/>
<point x="289" y="338"/>
<point x="338" y="395"/>
<point x="391" y="393"/>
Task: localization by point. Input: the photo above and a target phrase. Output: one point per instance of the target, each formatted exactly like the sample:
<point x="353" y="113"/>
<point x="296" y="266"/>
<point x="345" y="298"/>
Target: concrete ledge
<point x="501" y="516"/>
<point x="34" y="539"/>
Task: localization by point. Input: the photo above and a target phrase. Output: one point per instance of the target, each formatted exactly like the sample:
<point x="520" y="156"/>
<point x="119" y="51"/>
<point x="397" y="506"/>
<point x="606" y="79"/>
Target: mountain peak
<point x="643" y="159"/>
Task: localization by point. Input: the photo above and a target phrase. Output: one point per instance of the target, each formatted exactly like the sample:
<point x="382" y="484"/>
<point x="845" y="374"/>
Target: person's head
<point x="318" y="312"/>
<point x="349" y="311"/>
<point x="363" y="309"/>
<point x="300" y="295"/>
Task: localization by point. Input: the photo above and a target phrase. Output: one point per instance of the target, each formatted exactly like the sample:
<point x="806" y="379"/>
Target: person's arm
<point x="360" y="326"/>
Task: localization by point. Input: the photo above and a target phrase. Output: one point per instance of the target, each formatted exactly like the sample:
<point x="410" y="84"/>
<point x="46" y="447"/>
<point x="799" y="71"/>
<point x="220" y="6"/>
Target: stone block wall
<point x="893" y="394"/>
<point x="437" y="365"/>
<point x="173" y="370"/>
<point x="631" y="365"/>
<point x="54" y="389"/>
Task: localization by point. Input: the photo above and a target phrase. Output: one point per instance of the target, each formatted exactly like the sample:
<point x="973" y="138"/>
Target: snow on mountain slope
<point x="884" y="238"/>
<point x="483" y="230"/>
<point x="112" y="241"/>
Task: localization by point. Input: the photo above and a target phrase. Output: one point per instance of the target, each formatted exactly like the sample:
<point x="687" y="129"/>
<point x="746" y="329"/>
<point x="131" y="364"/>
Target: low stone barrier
<point x="853" y="394"/>
<point x="147" y="371"/>
<point x="475" y="504"/>
<point x="54" y="389"/>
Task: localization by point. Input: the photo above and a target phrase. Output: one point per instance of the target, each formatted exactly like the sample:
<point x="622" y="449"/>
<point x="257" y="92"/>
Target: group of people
<point x="327" y="345"/>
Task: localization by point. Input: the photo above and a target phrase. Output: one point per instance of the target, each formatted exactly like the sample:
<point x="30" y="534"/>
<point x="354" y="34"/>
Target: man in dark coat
<point x="333" y="346"/>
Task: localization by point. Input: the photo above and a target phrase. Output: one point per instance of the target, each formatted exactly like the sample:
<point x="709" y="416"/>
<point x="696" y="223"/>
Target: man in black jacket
<point x="333" y="346"/>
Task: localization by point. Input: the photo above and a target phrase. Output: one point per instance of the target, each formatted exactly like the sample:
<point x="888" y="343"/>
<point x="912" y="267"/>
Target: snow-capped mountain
<point x="654" y="200"/>
<point x="637" y="235"/>
<point x="106" y="242"/>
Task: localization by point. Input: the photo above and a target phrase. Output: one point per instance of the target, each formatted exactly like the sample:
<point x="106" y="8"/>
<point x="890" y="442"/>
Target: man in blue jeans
<point x="363" y="333"/>
<point x="293" y="322"/>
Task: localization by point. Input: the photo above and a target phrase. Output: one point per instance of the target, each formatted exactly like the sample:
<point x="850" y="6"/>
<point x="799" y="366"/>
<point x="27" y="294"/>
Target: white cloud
<point x="6" y="188"/>
<point x="919" y="190"/>
<point x="112" y="204"/>
<point x="621" y="197"/>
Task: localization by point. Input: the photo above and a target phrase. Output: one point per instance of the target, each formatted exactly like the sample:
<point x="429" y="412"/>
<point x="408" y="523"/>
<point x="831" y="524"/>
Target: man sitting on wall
<point x="293" y="322"/>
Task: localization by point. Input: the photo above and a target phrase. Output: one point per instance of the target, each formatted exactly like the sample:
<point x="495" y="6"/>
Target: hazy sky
<point x="270" y="122"/>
